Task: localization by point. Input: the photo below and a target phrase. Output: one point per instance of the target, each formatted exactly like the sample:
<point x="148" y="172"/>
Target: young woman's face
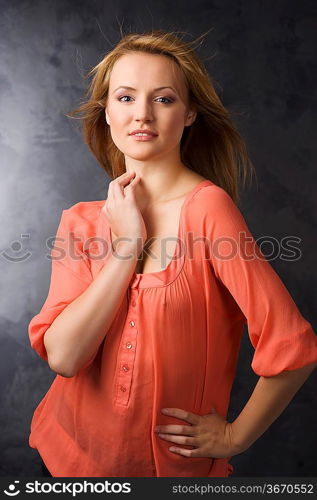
<point x="162" y="111"/>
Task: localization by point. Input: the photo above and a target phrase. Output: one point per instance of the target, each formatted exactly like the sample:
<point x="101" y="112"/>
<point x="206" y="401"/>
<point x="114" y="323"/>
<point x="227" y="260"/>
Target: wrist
<point x="238" y="442"/>
<point x="126" y="250"/>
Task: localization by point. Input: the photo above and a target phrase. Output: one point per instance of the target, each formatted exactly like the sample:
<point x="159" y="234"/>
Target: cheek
<point x="175" y="121"/>
<point x="117" y="115"/>
<point x="117" y="120"/>
<point x="174" y="128"/>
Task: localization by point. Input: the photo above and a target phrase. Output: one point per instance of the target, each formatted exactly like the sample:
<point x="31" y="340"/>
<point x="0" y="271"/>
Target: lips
<point x="143" y="131"/>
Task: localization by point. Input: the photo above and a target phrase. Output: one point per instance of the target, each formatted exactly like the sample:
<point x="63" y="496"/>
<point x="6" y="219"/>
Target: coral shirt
<point x="174" y="342"/>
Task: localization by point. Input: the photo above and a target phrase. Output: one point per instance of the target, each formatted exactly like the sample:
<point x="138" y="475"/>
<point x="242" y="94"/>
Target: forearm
<point x="77" y="332"/>
<point x="270" y="397"/>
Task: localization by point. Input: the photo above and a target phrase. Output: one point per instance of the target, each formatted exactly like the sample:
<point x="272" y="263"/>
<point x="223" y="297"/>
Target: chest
<point x="162" y="226"/>
<point x="160" y="247"/>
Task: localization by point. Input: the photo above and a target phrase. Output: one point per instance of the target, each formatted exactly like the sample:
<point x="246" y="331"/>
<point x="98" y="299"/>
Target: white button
<point x="125" y="368"/>
<point x="132" y="323"/>
<point x="128" y="345"/>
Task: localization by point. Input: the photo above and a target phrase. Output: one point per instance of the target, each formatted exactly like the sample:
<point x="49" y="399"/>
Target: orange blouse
<point x="174" y="342"/>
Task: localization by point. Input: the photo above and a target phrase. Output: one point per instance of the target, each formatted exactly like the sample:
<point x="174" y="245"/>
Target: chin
<point x="140" y="156"/>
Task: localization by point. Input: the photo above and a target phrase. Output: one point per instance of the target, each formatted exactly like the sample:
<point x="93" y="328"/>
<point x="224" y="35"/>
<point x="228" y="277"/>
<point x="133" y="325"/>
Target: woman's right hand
<point x="123" y="213"/>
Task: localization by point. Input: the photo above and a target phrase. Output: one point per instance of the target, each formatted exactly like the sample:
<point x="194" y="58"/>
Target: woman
<point x="150" y="289"/>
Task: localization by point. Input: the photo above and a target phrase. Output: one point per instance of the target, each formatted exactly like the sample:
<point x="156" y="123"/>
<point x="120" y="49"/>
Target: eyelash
<point x="170" y="100"/>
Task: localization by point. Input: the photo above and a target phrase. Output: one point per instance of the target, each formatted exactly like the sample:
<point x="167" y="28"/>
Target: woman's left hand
<point x="211" y="435"/>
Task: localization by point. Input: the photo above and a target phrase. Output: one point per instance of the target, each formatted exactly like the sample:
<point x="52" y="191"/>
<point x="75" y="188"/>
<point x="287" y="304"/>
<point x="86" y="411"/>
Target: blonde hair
<point x="211" y="146"/>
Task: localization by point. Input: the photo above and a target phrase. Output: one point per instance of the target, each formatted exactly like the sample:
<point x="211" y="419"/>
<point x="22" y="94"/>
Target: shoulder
<point x="85" y="209"/>
<point x="213" y="208"/>
<point x="212" y="198"/>
<point x="82" y="217"/>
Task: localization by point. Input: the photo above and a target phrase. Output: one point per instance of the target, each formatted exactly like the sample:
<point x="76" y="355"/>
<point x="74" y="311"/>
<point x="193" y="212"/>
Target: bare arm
<point x="77" y="332"/>
<point x="270" y="397"/>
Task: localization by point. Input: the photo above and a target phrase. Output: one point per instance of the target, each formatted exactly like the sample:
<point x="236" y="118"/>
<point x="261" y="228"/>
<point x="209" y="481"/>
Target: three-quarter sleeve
<point x="70" y="276"/>
<point x="282" y="338"/>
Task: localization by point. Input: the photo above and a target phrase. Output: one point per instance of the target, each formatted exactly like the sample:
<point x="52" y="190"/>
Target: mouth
<point x="143" y="137"/>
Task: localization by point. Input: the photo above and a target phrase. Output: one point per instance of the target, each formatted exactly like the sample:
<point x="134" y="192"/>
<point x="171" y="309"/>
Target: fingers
<point x="116" y="190"/>
<point x="116" y="186"/>
<point x="132" y="184"/>
<point x="193" y="453"/>
<point x="125" y="178"/>
<point x="192" y="418"/>
<point x="190" y="441"/>
<point x="187" y="430"/>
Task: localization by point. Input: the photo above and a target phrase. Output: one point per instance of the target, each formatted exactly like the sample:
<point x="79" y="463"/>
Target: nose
<point x="143" y="111"/>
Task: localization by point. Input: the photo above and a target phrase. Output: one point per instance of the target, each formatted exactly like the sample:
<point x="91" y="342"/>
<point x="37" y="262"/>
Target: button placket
<point x="127" y="355"/>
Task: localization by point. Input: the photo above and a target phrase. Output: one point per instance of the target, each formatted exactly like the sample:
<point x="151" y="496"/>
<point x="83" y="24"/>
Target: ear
<point x="107" y="116"/>
<point x="191" y="117"/>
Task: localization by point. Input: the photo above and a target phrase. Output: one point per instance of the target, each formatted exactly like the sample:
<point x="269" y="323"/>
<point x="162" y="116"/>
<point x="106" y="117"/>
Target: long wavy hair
<point x="211" y="146"/>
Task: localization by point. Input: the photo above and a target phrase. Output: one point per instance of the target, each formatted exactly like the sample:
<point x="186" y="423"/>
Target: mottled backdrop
<point x="262" y="56"/>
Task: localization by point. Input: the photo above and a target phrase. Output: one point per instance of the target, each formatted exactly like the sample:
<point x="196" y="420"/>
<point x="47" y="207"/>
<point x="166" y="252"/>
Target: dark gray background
<point x="262" y="56"/>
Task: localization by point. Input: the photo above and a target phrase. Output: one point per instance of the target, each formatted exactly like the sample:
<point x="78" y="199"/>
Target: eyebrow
<point x="131" y="88"/>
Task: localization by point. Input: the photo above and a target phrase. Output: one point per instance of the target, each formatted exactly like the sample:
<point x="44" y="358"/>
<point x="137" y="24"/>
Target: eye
<point x="119" y="98"/>
<point x="169" y="101"/>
